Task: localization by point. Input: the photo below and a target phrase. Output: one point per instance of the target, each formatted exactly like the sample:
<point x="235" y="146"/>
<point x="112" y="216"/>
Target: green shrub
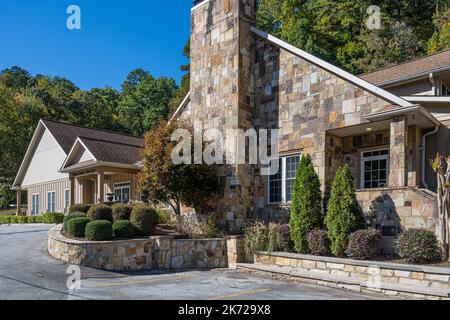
<point x="144" y="219"/>
<point x="343" y="215"/>
<point x="122" y="229"/>
<point x="22" y="219"/>
<point x="98" y="230"/>
<point x="164" y="217"/>
<point x="14" y="219"/>
<point x="72" y="215"/>
<point x="100" y="212"/>
<point x="306" y="211"/>
<point x="419" y="246"/>
<point x="53" y="217"/>
<point x="363" y="244"/>
<point x="121" y="211"/>
<point x="80" y="207"/>
<point x="318" y="242"/>
<point x="5" y="219"/>
<point x="256" y="237"/>
<point x="76" y="226"/>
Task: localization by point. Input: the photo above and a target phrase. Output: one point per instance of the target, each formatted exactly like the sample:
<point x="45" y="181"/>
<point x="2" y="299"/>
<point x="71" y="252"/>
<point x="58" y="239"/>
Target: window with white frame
<point x="445" y="91"/>
<point x="122" y="192"/>
<point x="374" y="169"/>
<point x="51" y="201"/>
<point x="281" y="183"/>
<point x="35" y="204"/>
<point x="66" y="199"/>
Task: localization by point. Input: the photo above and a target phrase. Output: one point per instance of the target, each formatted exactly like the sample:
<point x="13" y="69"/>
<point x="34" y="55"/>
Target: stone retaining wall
<point x="386" y="278"/>
<point x="160" y="253"/>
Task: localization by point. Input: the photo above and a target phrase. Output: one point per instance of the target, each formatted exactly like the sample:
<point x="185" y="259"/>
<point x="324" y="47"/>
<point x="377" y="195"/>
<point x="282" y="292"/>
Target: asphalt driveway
<point x="28" y="272"/>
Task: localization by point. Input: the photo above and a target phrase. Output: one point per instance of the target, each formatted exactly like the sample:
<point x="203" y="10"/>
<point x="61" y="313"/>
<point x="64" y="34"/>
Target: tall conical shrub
<point x="343" y="215"/>
<point x="306" y="211"/>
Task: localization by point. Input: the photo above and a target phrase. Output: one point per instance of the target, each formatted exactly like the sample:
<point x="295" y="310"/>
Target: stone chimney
<point x="221" y="87"/>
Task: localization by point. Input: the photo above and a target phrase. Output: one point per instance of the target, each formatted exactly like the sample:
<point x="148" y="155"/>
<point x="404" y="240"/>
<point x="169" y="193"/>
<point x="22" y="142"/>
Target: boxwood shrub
<point x="72" y="215"/>
<point x="419" y="246"/>
<point x="363" y="244"/>
<point x="80" y="207"/>
<point x="144" y="219"/>
<point x="98" y="230"/>
<point x="100" y="212"/>
<point x="122" y="229"/>
<point x="121" y="211"/>
<point x="318" y="242"/>
<point x="76" y="226"/>
<point x="53" y="217"/>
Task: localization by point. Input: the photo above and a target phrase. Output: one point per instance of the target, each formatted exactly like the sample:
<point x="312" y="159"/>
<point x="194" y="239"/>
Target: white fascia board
<point x="93" y="164"/>
<point x="77" y="142"/>
<point x="199" y="5"/>
<point x="433" y="99"/>
<point x="180" y="108"/>
<point x="333" y="69"/>
<point x="402" y="111"/>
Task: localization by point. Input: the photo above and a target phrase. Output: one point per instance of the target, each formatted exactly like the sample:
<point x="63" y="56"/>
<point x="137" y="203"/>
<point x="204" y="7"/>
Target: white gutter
<point x="429" y="99"/>
<point x="424" y="141"/>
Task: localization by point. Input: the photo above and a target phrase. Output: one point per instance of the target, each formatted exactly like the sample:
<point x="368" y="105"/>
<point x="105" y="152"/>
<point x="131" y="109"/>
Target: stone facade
<point x="241" y="80"/>
<point x="408" y="281"/>
<point x="153" y="253"/>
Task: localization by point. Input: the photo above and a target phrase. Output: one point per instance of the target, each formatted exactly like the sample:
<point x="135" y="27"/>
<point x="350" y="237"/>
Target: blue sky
<point x="115" y="38"/>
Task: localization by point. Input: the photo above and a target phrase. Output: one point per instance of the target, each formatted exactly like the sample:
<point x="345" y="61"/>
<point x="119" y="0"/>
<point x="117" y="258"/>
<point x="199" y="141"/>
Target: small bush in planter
<point x="285" y="242"/>
<point x="363" y="244"/>
<point x="53" y="217"/>
<point x="121" y="211"/>
<point x="122" y="229"/>
<point x="98" y="230"/>
<point x="419" y="246"/>
<point x="79" y="207"/>
<point x="318" y="242"/>
<point x="144" y="219"/>
<point x="100" y="212"/>
<point x="256" y="237"/>
<point x="76" y="226"/>
<point x="72" y="215"/>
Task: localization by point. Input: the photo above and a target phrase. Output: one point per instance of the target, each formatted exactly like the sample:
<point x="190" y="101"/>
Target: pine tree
<point x="306" y="212"/>
<point x="343" y="215"/>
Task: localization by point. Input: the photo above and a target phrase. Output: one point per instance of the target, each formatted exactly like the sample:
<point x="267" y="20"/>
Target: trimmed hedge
<point x="122" y="229"/>
<point x="72" y="215"/>
<point x="419" y="246"/>
<point x="144" y="219"/>
<point x="80" y="207"/>
<point x="363" y="244"/>
<point x="100" y="212"/>
<point x="53" y="217"/>
<point x="76" y="226"/>
<point x="98" y="230"/>
<point x="318" y="242"/>
<point x="121" y="211"/>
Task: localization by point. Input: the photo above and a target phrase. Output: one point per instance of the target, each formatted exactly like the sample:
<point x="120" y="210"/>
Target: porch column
<point x="100" y="186"/>
<point x="71" y="189"/>
<point x="18" y="200"/>
<point x="397" y="163"/>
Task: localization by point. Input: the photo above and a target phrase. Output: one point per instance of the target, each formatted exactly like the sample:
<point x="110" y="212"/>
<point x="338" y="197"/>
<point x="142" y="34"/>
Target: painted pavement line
<point x="125" y="283"/>
<point x="239" y="293"/>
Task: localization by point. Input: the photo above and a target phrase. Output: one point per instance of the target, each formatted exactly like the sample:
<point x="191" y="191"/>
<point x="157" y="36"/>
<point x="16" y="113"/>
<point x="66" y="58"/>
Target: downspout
<point x="424" y="149"/>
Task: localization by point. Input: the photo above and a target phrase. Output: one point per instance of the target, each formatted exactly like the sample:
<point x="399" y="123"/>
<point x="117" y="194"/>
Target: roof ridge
<point x="108" y="141"/>
<point x="403" y="63"/>
<point x="94" y="129"/>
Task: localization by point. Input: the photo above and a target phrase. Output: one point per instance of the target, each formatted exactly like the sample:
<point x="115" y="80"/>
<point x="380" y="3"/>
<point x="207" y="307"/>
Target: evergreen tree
<point x="306" y="212"/>
<point x="343" y="215"/>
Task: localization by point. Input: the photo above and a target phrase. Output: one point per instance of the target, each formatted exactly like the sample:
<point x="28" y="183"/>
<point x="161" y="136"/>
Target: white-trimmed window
<point x="66" y="199"/>
<point x="35" y="203"/>
<point x="280" y="185"/>
<point x="374" y="169"/>
<point x="122" y="192"/>
<point x="445" y="91"/>
<point x="51" y="201"/>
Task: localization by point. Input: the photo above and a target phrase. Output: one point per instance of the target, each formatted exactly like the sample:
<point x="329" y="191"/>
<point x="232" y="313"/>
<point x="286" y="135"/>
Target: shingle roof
<point x="67" y="134"/>
<point x="113" y="151"/>
<point x="416" y="67"/>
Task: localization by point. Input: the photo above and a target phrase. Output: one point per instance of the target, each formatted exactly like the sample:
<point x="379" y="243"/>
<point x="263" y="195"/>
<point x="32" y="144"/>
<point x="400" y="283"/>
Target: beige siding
<point x="121" y="178"/>
<point x="42" y="189"/>
<point x="421" y="87"/>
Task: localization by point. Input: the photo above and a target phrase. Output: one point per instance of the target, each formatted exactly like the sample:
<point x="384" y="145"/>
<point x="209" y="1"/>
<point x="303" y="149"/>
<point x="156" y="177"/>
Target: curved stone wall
<point x="159" y="252"/>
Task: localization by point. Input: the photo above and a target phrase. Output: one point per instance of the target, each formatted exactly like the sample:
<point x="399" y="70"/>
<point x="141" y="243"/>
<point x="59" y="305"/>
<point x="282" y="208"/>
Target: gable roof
<point x="417" y="68"/>
<point x="109" y="146"/>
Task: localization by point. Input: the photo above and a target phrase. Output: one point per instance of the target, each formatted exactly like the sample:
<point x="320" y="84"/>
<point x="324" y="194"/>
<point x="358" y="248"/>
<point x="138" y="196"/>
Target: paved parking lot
<point x="28" y="272"/>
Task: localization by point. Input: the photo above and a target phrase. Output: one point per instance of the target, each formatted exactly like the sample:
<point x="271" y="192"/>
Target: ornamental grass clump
<point x="419" y="246"/>
<point x="363" y="244"/>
